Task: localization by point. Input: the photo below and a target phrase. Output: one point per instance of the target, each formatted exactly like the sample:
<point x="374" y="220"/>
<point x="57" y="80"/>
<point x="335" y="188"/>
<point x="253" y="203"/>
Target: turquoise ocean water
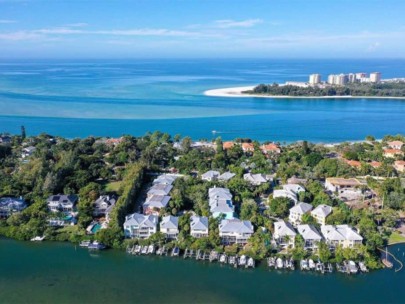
<point x="114" y="97"/>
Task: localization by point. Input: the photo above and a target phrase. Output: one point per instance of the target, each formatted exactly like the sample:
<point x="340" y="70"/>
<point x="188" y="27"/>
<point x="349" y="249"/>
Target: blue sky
<point x="202" y="28"/>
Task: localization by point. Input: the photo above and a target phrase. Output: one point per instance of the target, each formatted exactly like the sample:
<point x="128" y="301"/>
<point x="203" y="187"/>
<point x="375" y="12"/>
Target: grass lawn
<point x="113" y="186"/>
<point x="396" y="237"/>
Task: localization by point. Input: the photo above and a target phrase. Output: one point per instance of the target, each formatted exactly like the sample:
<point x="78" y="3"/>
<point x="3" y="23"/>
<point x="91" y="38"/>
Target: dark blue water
<point x="111" y="98"/>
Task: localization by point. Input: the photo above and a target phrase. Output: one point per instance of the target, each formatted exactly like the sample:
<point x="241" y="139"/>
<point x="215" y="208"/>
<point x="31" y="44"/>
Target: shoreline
<point x="237" y="92"/>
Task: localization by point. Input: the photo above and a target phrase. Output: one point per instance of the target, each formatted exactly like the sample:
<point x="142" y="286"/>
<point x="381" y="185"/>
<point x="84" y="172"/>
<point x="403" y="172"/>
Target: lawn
<point x="113" y="186"/>
<point x="395" y="237"/>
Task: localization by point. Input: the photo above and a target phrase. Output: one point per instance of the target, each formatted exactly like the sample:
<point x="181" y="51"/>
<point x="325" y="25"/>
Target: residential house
<point x="342" y="235"/>
<point x="353" y="163"/>
<point x="248" y="147"/>
<point x="228" y="145"/>
<point x="346" y="189"/>
<point x="320" y="213"/>
<point x="166" y="179"/>
<point x="159" y="189"/>
<point x="103" y="205"/>
<point x="28" y="151"/>
<point x="296" y="180"/>
<point x="62" y="221"/>
<point x="199" y="226"/>
<point x="226" y="176"/>
<point x="399" y="165"/>
<point x="5" y="139"/>
<point x="62" y="203"/>
<point x="10" y="205"/>
<point x="220" y="202"/>
<point x="310" y="235"/>
<point x="155" y="203"/>
<point x="290" y="191"/>
<point x="140" y="226"/>
<point x="284" y="234"/>
<point x="210" y="175"/>
<point x="235" y="231"/>
<point x="270" y="148"/>
<point x="169" y="226"/>
<point x="375" y="164"/>
<point x="396" y="144"/>
<point x="255" y="179"/>
<point x="297" y="212"/>
<point x="201" y="145"/>
<point x="392" y="153"/>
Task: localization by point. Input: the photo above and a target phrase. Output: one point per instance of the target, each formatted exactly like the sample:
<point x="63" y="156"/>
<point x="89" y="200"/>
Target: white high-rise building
<point x="331" y="79"/>
<point x="315" y="78"/>
<point x="359" y="76"/>
<point x="341" y="79"/>
<point x="352" y="77"/>
<point x="375" y="77"/>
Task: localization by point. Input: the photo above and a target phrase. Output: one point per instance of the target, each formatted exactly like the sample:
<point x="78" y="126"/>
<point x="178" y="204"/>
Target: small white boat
<point x="231" y="260"/>
<point x="250" y="263"/>
<point x="176" y="251"/>
<point x="363" y="267"/>
<point x="242" y="260"/>
<point x="151" y="249"/>
<point x="85" y="243"/>
<point x="96" y="246"/>
<point x="352" y="267"/>
<point x="271" y="262"/>
<point x="144" y="250"/>
<point x="137" y="249"/>
<point x="311" y="264"/>
<point x="223" y="258"/>
<point x="304" y="265"/>
<point x="279" y="263"/>
<point x="320" y="267"/>
<point x="38" y="239"/>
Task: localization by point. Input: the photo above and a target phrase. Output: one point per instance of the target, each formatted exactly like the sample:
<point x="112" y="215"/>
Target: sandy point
<point x="229" y="92"/>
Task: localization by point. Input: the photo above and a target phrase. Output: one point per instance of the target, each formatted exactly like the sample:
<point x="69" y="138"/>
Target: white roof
<point x="157" y="201"/>
<point x="301" y="208"/>
<point x="160" y="189"/>
<point x="255" y="178"/>
<point x="199" y="223"/>
<point x="165" y="179"/>
<point x="283" y="228"/>
<point x="340" y="233"/>
<point x="169" y="222"/>
<point x="322" y="210"/>
<point x="223" y="193"/>
<point x="226" y="176"/>
<point x="309" y="232"/>
<point x="137" y="219"/>
<point x="295" y="188"/>
<point x="235" y="226"/>
<point x="210" y="174"/>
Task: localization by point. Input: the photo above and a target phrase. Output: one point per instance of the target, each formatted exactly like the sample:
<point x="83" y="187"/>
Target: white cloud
<point x="7" y="21"/>
<point x="229" y="23"/>
<point x="373" y="47"/>
<point x="78" y="24"/>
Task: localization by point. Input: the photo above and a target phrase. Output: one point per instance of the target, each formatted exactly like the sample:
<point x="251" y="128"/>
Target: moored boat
<point x="85" y="243"/>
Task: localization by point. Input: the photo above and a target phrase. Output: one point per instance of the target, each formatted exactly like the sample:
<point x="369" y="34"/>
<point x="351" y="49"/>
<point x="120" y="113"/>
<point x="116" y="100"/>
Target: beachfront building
<point x="248" y="147"/>
<point x="375" y="77"/>
<point x="227" y="145"/>
<point x="140" y="226"/>
<point x="396" y="144"/>
<point x="10" y="205"/>
<point x="270" y="148"/>
<point x="284" y="234"/>
<point x="289" y="191"/>
<point x="199" y="226"/>
<point x="62" y="203"/>
<point x="159" y="189"/>
<point x="220" y="202"/>
<point x="320" y="213"/>
<point x="235" y="231"/>
<point x="155" y="203"/>
<point x="255" y="179"/>
<point x="310" y="235"/>
<point x="314" y="78"/>
<point x="226" y="176"/>
<point x="169" y="226"/>
<point x="392" y="153"/>
<point x="103" y="205"/>
<point x="342" y="235"/>
<point x="297" y="212"/>
<point x="399" y="165"/>
<point x="210" y="176"/>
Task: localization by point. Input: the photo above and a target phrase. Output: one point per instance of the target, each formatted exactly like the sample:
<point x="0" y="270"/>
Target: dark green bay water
<point x="60" y="273"/>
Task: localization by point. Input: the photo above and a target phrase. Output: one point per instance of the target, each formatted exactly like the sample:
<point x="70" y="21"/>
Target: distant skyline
<point x="207" y="29"/>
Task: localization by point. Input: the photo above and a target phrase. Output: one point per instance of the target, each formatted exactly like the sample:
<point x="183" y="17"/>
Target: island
<point x="337" y="86"/>
<point x="317" y="207"/>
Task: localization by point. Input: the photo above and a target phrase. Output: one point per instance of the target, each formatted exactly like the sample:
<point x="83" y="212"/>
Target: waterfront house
<point x="375" y="164"/>
<point x="140" y="226"/>
<point x="235" y="231"/>
<point x="396" y="144"/>
<point x="270" y="148"/>
<point x="210" y="176"/>
<point x="310" y="235"/>
<point x="342" y="235"/>
<point x="284" y="234"/>
<point x="166" y="179"/>
<point x="103" y="205"/>
<point x="320" y="213"/>
<point x="399" y="165"/>
<point x="68" y="220"/>
<point x="201" y="145"/>
<point x="226" y="176"/>
<point x="255" y="179"/>
<point x="220" y="202"/>
<point x="28" y="151"/>
<point x="227" y="145"/>
<point x="155" y="203"/>
<point x="10" y="205"/>
<point x="62" y="203"/>
<point x="159" y="189"/>
<point x="297" y="212"/>
<point x="289" y="191"/>
<point x="392" y="153"/>
<point x="353" y="163"/>
<point x="199" y="226"/>
<point x="169" y="226"/>
<point x="248" y="147"/>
